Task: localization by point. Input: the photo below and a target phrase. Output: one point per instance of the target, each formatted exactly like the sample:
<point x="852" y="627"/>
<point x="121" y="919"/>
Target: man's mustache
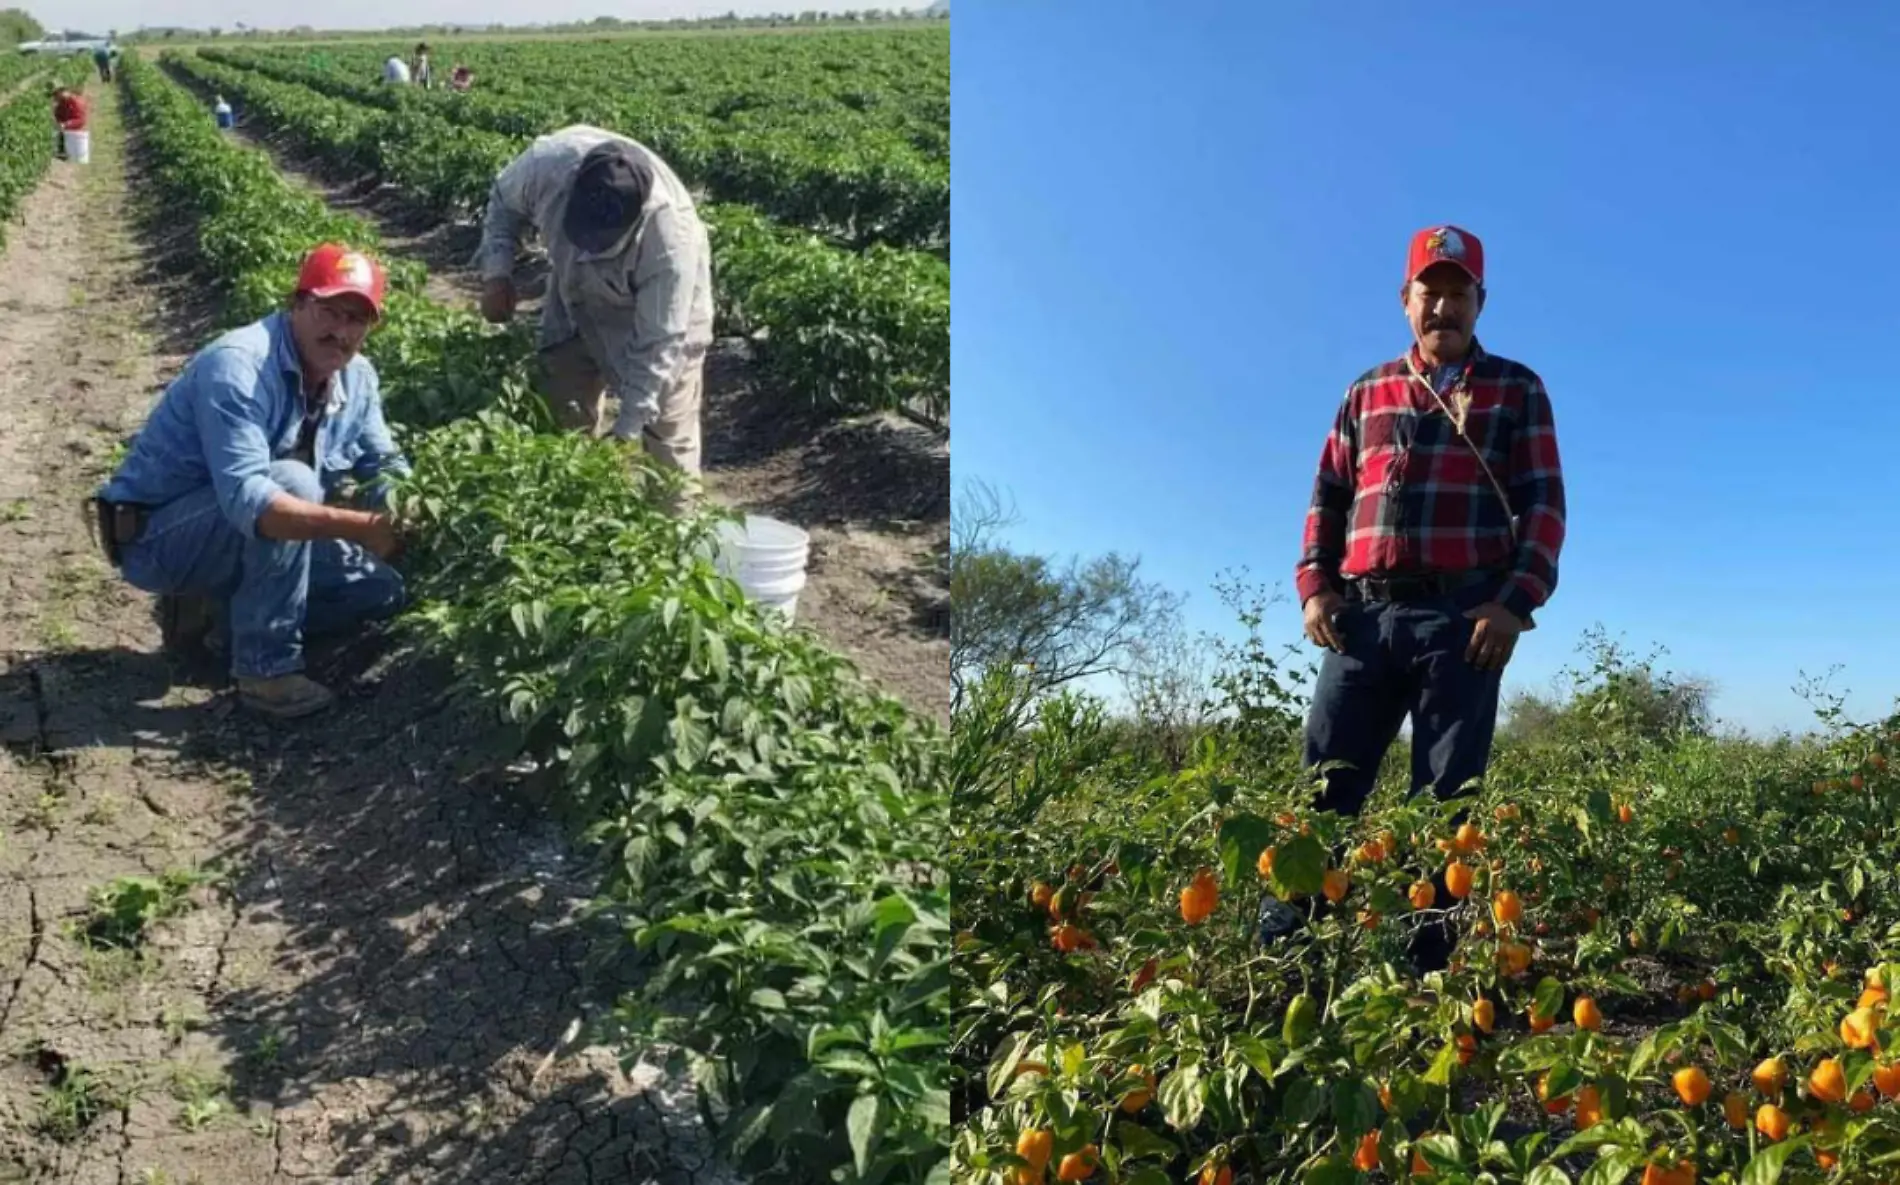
<point x="1436" y="323"/>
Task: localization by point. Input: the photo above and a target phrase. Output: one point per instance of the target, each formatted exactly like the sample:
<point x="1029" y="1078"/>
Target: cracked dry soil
<point x="385" y="951"/>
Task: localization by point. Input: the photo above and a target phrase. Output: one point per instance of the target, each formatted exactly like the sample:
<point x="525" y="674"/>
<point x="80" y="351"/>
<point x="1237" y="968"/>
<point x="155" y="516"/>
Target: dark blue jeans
<point x="1403" y="659"/>
<point x="1400" y="659"/>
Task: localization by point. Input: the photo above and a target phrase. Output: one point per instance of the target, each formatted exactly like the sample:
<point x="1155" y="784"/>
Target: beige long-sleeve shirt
<point x="644" y="307"/>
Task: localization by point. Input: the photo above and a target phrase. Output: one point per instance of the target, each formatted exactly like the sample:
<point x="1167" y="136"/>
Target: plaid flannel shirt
<point x="1399" y="493"/>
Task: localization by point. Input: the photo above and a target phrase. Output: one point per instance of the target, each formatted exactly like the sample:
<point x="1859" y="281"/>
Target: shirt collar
<point x="283" y="353"/>
<point x="1473" y="357"/>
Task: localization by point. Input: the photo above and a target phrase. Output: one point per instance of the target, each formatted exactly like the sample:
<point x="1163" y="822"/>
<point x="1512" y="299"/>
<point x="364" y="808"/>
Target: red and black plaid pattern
<point x="1398" y="493"/>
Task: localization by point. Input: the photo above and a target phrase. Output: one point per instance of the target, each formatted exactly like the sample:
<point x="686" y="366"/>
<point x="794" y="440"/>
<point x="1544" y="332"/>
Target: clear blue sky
<point x="1180" y="230"/>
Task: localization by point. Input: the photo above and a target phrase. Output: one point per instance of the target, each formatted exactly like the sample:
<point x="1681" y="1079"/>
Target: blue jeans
<point x="276" y="590"/>
<point x="1400" y="659"/>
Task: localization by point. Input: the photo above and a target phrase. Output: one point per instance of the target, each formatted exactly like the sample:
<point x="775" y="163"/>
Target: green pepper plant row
<point x="860" y="167"/>
<point x="763" y="820"/>
<point x="26" y="133"/>
<point x="859" y="331"/>
<point x="14" y="67"/>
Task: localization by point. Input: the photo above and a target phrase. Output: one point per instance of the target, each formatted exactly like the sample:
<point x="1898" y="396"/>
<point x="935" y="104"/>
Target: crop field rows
<point x="758" y="817"/>
<point x="820" y="221"/>
<point x="846" y="135"/>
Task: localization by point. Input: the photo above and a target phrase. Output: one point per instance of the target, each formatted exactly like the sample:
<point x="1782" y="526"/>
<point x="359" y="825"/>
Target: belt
<point x="1422" y="586"/>
<point x="116" y="525"/>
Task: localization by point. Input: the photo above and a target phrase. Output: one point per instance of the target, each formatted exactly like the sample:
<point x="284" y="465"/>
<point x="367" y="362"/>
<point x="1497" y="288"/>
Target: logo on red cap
<point x="1446" y="244"/>
<point x="333" y="269"/>
<point x="354" y="269"/>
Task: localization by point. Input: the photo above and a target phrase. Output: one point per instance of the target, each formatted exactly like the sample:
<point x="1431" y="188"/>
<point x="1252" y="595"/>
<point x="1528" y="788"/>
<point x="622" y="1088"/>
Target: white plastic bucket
<point x="780" y="595"/>
<point x="767" y="559"/>
<point x="78" y="147"/>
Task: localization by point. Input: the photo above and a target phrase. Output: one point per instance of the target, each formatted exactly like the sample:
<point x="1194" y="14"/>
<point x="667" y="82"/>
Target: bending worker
<point x="225" y="506"/>
<point x="629" y="304"/>
<point x="69" y="115"/>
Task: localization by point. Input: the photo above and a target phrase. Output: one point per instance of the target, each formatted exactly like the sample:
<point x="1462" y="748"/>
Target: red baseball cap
<point x="1446" y="244"/>
<point x="333" y="269"/>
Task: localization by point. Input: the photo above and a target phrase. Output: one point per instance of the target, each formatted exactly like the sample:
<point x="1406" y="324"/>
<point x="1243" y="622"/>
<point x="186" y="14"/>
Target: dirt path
<point x="372" y="947"/>
<point x="873" y="491"/>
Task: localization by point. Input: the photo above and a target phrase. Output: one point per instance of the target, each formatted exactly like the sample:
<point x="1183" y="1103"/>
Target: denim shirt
<point x="236" y="408"/>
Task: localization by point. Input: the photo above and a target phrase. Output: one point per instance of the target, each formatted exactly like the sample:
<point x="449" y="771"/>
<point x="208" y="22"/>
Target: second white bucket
<point x="767" y="559"/>
<point x="78" y="147"/>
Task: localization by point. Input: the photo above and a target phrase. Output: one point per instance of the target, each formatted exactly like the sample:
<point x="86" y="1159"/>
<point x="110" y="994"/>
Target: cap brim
<point x="326" y="293"/>
<point x="1459" y="264"/>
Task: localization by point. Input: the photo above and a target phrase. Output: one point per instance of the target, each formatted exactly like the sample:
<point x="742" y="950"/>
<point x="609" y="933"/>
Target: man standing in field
<point x="1434" y="530"/>
<point x="629" y="303"/>
<point x="226" y="494"/>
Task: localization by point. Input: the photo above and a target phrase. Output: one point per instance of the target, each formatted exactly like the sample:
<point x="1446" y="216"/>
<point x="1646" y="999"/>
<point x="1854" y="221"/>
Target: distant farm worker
<point x="221" y="111"/>
<point x="102" y="59"/>
<point x="461" y="78"/>
<point x="395" y="71"/>
<point x="421" y="65"/>
<point x="1434" y="531"/>
<point x="228" y="504"/>
<point x="69" y="115"/>
<point x="629" y="304"/>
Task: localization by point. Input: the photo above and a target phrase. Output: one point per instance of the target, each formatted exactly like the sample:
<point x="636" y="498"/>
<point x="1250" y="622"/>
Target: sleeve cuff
<point x="1517" y="600"/>
<point x="636" y="409"/>
<point x="253" y="498"/>
<point x="628" y="427"/>
<point x="1310" y="582"/>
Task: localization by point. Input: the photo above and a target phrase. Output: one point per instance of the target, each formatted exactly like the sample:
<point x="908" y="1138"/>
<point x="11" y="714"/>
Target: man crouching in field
<point x="221" y="498"/>
<point x="629" y="303"/>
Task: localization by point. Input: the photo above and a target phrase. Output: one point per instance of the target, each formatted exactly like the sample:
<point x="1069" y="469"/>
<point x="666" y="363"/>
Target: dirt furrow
<point x="370" y="940"/>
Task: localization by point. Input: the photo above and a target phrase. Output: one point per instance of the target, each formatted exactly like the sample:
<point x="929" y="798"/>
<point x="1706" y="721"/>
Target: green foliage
<point x="123" y="909"/>
<point x="844" y="136"/>
<point x="17" y="25"/>
<point x="1720" y="897"/>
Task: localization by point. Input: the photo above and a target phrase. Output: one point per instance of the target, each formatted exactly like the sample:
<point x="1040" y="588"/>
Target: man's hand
<point x="382" y="537"/>
<point x="1319" y="610"/>
<point x="1494" y="637"/>
<point x="498" y="300"/>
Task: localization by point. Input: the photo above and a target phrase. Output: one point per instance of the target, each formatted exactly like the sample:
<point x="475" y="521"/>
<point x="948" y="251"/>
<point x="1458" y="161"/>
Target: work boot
<point x="286" y="697"/>
<point x="1278" y="920"/>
